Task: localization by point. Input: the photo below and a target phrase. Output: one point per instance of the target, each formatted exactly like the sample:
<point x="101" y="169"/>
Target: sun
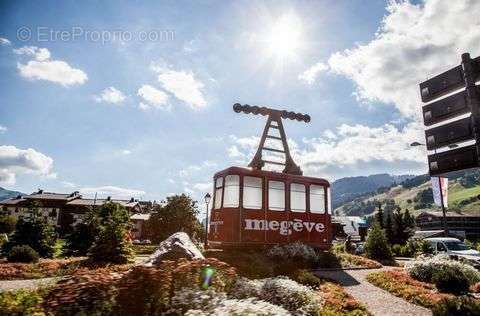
<point x="284" y="38"/>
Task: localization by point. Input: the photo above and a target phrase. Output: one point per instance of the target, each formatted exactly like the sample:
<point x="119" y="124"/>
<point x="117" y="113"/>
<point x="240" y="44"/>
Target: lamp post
<point x="444" y="212"/>
<point x="207" y="199"/>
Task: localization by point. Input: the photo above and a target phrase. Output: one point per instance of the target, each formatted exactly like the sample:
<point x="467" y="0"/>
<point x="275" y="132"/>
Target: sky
<point x="134" y="98"/>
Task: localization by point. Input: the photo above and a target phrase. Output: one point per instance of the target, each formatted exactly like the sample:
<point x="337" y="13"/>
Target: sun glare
<point x="284" y="37"/>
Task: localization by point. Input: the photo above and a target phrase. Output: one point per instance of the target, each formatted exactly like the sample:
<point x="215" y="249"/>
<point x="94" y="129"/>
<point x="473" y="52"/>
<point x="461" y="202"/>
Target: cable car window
<point x="252" y="192"/>
<point x="317" y="199"/>
<point x="232" y="191"/>
<point x="218" y="193"/>
<point x="276" y="196"/>
<point x="297" y="197"/>
<point x="329" y="203"/>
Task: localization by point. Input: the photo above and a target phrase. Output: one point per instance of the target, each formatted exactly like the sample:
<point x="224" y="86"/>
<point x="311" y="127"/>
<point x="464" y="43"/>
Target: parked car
<point x="455" y="249"/>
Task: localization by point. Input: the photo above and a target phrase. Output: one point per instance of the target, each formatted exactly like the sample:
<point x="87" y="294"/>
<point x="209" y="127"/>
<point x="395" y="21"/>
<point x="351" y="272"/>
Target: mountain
<point x="346" y="189"/>
<point x="415" y="193"/>
<point x="6" y="194"/>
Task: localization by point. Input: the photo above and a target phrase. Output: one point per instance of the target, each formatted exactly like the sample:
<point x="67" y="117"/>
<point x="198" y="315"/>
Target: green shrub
<point x="459" y="306"/>
<point x="82" y="236"/>
<point x="21" y="302"/>
<point x="327" y="259"/>
<point x="307" y="278"/>
<point x="397" y="250"/>
<point x="111" y="243"/>
<point x="426" y="247"/>
<point x="376" y="246"/>
<point x="450" y="280"/>
<point x="423" y="269"/>
<point x="23" y="254"/>
<point x="7" y="224"/>
<point x="340" y="247"/>
<point x="34" y="231"/>
<point x="292" y="256"/>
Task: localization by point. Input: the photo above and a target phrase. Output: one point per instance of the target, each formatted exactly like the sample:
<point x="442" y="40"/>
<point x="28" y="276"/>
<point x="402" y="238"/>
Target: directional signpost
<point x="453" y="121"/>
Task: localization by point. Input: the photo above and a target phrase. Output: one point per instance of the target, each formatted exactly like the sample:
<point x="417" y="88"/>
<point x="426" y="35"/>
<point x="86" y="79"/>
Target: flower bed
<point x="354" y="261"/>
<point x="339" y="302"/>
<point x="400" y="284"/>
<point x="48" y="268"/>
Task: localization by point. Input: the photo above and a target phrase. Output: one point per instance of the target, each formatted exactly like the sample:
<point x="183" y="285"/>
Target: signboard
<point x="440" y="190"/>
<point x="453" y="137"/>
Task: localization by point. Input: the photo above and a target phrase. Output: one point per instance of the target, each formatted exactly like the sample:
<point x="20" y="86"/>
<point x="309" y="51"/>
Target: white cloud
<point x="203" y="186"/>
<point x="351" y="149"/>
<point x="188" y="171"/>
<point x="415" y="41"/>
<point x="3" y="129"/>
<point x="15" y="161"/>
<point x="182" y="84"/>
<point x="111" y="95"/>
<point x="153" y="97"/>
<point x="43" y="68"/>
<point x="126" y="152"/>
<point x="4" y="41"/>
<point x="113" y="191"/>
<point x="310" y="75"/>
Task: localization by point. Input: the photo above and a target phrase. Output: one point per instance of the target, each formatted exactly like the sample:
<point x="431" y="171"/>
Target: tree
<point x="399" y="228"/>
<point x="112" y="243"/>
<point x="82" y="236"/>
<point x="408" y="219"/>
<point x="178" y="214"/>
<point x="35" y="231"/>
<point x="376" y="246"/>
<point x="379" y="216"/>
<point x="7" y="224"/>
<point x="389" y="228"/>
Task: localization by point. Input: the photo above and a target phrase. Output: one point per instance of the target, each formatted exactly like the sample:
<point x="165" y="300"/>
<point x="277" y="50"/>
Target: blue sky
<point x="129" y="116"/>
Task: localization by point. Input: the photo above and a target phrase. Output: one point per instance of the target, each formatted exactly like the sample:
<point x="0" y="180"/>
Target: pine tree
<point x="399" y="228"/>
<point x="112" y="243"/>
<point x="376" y="245"/>
<point x="379" y="216"/>
<point x="389" y="228"/>
<point x="408" y="219"/>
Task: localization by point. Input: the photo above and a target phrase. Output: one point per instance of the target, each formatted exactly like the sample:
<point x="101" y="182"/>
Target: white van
<point x="454" y="248"/>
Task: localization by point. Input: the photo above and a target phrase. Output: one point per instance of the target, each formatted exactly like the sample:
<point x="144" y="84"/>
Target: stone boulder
<point x="177" y="246"/>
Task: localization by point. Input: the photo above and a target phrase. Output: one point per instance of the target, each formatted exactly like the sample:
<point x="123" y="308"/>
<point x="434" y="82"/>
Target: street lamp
<point x="444" y="213"/>
<point x="207" y="199"/>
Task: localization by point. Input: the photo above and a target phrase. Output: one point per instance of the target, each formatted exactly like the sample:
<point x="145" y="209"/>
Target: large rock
<point x="178" y="245"/>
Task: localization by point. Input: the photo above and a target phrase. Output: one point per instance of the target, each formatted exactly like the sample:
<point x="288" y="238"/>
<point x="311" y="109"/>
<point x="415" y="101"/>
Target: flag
<point x="437" y="183"/>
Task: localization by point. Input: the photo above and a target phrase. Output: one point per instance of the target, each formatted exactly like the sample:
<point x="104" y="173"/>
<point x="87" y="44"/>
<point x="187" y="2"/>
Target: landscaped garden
<point x="439" y="283"/>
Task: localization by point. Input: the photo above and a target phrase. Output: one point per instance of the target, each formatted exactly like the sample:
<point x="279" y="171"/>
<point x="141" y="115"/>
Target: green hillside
<point x="416" y="195"/>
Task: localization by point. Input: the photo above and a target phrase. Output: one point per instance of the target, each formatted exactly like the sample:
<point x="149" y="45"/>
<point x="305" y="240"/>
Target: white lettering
<point x="297" y="225"/>
<point x="273" y="225"/>
<point x="284" y="227"/>
<point x="319" y="227"/>
<point x="309" y="226"/>
<point x="255" y="224"/>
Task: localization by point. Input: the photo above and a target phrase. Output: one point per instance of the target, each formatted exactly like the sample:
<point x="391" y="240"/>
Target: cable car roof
<point x="271" y="175"/>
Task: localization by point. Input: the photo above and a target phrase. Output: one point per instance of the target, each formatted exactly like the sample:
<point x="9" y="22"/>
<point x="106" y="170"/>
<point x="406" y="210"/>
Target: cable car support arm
<point x="274" y="116"/>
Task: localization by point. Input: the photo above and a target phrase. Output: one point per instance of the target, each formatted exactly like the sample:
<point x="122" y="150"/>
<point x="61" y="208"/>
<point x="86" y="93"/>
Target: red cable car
<point x="252" y="206"/>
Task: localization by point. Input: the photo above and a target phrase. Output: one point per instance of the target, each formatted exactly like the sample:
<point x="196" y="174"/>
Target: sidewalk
<point x="379" y="302"/>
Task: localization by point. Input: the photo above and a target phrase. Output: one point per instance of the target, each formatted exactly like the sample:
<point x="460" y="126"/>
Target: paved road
<point x="26" y="284"/>
<point x="377" y="301"/>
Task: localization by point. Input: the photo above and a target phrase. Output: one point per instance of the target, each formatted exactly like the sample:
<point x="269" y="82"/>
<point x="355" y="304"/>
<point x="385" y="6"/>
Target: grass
<point x="456" y="194"/>
<point x="400" y="284"/>
<point x="144" y="249"/>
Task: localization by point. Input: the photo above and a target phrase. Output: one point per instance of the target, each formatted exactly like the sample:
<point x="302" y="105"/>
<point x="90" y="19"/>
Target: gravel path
<point x="26" y="284"/>
<point x="379" y="302"/>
